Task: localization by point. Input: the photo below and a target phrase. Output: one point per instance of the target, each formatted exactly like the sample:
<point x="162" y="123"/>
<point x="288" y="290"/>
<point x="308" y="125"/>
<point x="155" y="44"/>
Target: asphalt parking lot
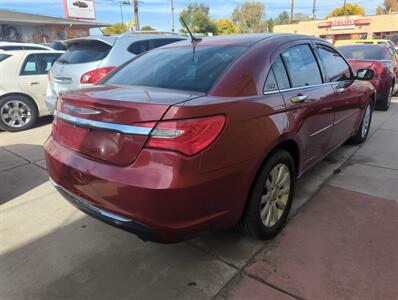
<point x="341" y="244"/>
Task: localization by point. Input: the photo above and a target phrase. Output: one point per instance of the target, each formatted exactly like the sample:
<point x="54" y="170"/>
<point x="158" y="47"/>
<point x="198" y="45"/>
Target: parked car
<point x="23" y="85"/>
<point x="383" y="60"/>
<point x="80" y="4"/>
<point x="89" y="59"/>
<point x="370" y="42"/>
<point x="201" y="136"/>
<point x="11" y="46"/>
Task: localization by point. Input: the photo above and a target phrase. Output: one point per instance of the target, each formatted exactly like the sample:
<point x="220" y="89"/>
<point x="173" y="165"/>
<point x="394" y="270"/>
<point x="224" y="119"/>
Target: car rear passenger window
<point x="336" y="67"/>
<point x="30" y="66"/>
<point x="139" y="47"/>
<point x="302" y="66"/>
<point x="162" y="42"/>
<point x="280" y="74"/>
<point x="4" y="56"/>
<point x="45" y="61"/>
<point x="270" y="83"/>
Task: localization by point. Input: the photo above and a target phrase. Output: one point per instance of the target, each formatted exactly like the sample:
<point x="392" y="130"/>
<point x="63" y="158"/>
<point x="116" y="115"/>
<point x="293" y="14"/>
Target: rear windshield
<point x="4" y="56"/>
<point x="182" y="68"/>
<point x="84" y="52"/>
<point x="372" y="52"/>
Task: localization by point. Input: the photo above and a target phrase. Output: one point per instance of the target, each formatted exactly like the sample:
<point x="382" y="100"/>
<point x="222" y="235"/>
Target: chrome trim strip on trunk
<point x="82" y="202"/>
<point x="128" y="129"/>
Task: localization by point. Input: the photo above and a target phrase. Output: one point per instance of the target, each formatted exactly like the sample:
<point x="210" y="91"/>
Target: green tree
<point x="248" y="17"/>
<point x="147" y="28"/>
<point x="283" y="18"/>
<point x="116" y="28"/>
<point x="389" y="6"/>
<point x="270" y="24"/>
<point x="348" y="10"/>
<point x="196" y="15"/>
<point x="225" y="26"/>
<point x="300" y="17"/>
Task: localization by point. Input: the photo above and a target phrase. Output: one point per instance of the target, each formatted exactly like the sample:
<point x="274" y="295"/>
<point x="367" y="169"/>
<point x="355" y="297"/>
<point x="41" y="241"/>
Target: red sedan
<point x="194" y="137"/>
<point x="383" y="60"/>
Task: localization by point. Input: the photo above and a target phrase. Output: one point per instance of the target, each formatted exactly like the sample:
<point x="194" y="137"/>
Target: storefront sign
<point x="343" y="23"/>
<point x="79" y="9"/>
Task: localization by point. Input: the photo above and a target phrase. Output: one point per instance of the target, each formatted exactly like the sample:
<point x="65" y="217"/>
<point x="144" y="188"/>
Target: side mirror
<point x="365" y="74"/>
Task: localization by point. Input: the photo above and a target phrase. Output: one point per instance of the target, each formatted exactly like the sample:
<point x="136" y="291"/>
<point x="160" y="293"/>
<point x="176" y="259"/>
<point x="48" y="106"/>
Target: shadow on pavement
<point x="42" y="121"/>
<point x="19" y="175"/>
<point x="86" y="259"/>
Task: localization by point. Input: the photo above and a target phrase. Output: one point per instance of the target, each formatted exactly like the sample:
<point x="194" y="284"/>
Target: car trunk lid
<point x="105" y="122"/>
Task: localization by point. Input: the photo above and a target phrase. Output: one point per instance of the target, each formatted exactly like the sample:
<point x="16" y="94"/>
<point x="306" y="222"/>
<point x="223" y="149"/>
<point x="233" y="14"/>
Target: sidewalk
<point x="343" y="244"/>
<point x="340" y="242"/>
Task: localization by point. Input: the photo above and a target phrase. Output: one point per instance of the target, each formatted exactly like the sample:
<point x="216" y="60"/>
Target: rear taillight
<point x="49" y="75"/>
<point x="95" y="75"/>
<point x="189" y="136"/>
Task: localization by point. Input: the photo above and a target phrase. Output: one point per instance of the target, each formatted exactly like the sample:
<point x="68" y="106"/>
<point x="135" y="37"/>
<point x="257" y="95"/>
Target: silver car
<point x="89" y="59"/>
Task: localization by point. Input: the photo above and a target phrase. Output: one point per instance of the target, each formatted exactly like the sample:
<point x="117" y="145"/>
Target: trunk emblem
<point x="81" y="110"/>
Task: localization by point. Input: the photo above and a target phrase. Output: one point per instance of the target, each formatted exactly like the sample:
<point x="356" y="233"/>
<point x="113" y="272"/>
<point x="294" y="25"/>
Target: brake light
<point x="95" y="75"/>
<point x="189" y="136"/>
<point x="49" y="75"/>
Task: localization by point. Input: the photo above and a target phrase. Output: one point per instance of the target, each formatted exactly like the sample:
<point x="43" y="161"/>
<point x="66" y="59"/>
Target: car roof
<point x="244" y="40"/>
<point x="25" y="52"/>
<point x="111" y="39"/>
<point x="5" y="43"/>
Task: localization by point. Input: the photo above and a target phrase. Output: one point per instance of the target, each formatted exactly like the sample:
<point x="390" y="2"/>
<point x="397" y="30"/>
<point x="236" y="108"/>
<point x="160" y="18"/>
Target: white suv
<point x="89" y="59"/>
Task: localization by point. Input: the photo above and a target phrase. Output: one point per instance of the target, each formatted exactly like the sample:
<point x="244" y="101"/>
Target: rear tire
<point x="384" y="105"/>
<point x="17" y="113"/>
<point x="363" y="130"/>
<point x="270" y="198"/>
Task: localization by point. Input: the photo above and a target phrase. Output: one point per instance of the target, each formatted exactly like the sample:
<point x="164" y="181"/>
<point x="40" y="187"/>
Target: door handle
<point x="34" y="83"/>
<point x="341" y="90"/>
<point x="298" y="99"/>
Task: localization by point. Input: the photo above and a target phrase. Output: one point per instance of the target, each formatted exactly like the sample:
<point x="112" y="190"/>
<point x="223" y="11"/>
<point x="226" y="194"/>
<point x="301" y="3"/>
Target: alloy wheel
<point x="366" y="121"/>
<point x="276" y="195"/>
<point x="15" y="113"/>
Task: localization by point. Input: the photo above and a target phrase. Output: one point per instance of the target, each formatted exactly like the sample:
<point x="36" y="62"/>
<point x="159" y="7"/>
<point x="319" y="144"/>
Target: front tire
<point x="363" y="130"/>
<point x="17" y="113"/>
<point x="270" y="198"/>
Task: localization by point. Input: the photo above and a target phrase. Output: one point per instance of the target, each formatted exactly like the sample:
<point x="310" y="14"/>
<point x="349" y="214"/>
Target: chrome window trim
<point x="307" y="86"/>
<point x="128" y="129"/>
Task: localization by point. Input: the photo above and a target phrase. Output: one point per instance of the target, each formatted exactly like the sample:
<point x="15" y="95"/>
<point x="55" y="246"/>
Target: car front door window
<point x="302" y="66"/>
<point x="337" y="69"/>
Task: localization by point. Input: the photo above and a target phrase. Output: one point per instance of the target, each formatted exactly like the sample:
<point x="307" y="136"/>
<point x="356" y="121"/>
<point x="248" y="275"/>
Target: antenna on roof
<point x="193" y="39"/>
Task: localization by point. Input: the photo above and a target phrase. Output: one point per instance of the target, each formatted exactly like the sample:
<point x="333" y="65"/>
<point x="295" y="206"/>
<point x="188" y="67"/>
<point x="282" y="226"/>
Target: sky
<point x="156" y="13"/>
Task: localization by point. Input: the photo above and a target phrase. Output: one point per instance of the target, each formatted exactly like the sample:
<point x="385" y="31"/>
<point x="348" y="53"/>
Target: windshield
<point x="84" y="52"/>
<point x="371" y="52"/>
<point x="182" y="68"/>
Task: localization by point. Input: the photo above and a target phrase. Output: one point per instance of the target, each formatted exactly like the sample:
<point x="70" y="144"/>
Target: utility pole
<point x="291" y="11"/>
<point x="136" y="21"/>
<point x="345" y="2"/>
<point x="121" y="12"/>
<point x="314" y="10"/>
<point x="172" y="15"/>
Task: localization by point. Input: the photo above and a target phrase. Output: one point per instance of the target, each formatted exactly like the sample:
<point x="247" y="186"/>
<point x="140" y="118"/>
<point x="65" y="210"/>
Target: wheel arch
<point x="23" y="95"/>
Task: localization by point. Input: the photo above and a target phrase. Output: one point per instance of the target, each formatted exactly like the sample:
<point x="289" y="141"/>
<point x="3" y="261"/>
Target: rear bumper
<point x="50" y="101"/>
<point x="121" y="222"/>
<point x="162" y="197"/>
